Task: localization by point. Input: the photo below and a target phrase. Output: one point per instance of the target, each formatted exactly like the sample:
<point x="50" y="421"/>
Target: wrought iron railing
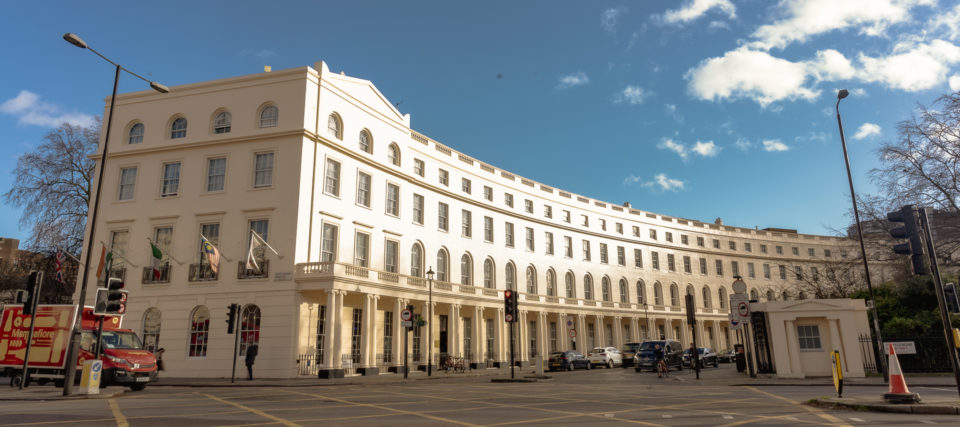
<point x="201" y="273"/>
<point x="163" y="277"/>
<point x="244" y="273"/>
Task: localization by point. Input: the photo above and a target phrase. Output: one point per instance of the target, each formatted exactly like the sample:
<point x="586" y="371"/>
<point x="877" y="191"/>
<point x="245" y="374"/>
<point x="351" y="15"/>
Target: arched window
<point x="531" y="280"/>
<point x="754" y="295"/>
<point x="587" y="287"/>
<point x="801" y="295"/>
<point x="641" y="292"/>
<point x="722" y="297"/>
<point x="199" y="330"/>
<point x="690" y="290"/>
<point x="249" y="327"/>
<point x="551" y="283"/>
<point x="623" y="290"/>
<point x="442" y="264"/>
<point x="706" y="297"/>
<point x="222" y="123"/>
<point x="785" y="296"/>
<point x="568" y="281"/>
<point x="511" y="276"/>
<point x="416" y="260"/>
<point x="657" y="293"/>
<point x="605" y="288"/>
<point x="366" y="142"/>
<point x="770" y="295"/>
<point x="466" y="270"/>
<point x="269" y="116"/>
<point x="179" y="128"/>
<point x="674" y="295"/>
<point x="334" y="126"/>
<point x="393" y="154"/>
<point x="489" y="274"/>
<point x="151" y="329"/>
<point x="136" y="134"/>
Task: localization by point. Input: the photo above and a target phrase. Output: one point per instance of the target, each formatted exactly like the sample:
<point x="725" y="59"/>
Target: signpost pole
<point x="25" y="377"/>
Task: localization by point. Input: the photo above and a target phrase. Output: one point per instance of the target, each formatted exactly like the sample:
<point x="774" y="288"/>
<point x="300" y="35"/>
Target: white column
<point x="522" y="328"/>
<point x="618" y="332"/>
<point x="399" y="332"/>
<point x="563" y="331"/>
<point x="500" y="331"/>
<point x="366" y="330"/>
<point x="543" y="351"/>
<point x="635" y="330"/>
<point x="454" y="332"/>
<point x="598" y="338"/>
<point x="337" y="325"/>
<point x="329" y="326"/>
<point x="582" y="334"/>
<point x="478" y="335"/>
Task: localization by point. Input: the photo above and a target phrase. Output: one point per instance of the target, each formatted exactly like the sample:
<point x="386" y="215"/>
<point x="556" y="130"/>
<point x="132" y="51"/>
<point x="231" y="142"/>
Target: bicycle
<point x="662" y="369"/>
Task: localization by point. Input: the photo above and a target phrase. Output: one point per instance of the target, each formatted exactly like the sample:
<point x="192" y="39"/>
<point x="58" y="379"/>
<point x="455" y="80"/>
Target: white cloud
<point x="672" y="110"/>
<point x="858" y="91"/>
<point x="694" y="9"/>
<point x="745" y="73"/>
<point x="949" y="21"/>
<point x="716" y="25"/>
<point x="30" y="110"/>
<point x="660" y="181"/>
<point x="706" y="149"/>
<point x="608" y="18"/>
<point x="867" y="130"/>
<point x="805" y="18"/>
<point x="955" y="82"/>
<point x="676" y="147"/>
<point x="576" y="79"/>
<point x="912" y="66"/>
<point x="743" y="144"/>
<point x="632" y="95"/>
<point x="774" y="145"/>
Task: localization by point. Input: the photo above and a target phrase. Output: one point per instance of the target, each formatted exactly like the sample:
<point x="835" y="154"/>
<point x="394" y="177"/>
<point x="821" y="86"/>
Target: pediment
<point x="365" y="93"/>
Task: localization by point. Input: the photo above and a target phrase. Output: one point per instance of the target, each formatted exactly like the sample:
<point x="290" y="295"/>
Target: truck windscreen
<point x="121" y="340"/>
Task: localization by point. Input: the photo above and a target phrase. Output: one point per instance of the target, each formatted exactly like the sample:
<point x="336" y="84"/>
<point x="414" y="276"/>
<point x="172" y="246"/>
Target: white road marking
<point x="859" y="420"/>
<point x="667" y="416"/>
<point x="792" y="418"/>
<point x="728" y="417"/>
<point x="608" y="415"/>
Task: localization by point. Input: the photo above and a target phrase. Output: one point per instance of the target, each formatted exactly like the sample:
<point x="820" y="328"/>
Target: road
<point x="615" y="396"/>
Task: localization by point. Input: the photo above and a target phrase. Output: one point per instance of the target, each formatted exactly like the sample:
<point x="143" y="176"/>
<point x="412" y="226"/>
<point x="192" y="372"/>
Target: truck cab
<point x="125" y="362"/>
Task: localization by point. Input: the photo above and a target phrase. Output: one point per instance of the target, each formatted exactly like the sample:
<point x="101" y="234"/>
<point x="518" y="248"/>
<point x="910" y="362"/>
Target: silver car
<point x="605" y="356"/>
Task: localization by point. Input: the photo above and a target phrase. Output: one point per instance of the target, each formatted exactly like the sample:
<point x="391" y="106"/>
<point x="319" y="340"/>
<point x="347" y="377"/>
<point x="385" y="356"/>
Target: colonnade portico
<point x="362" y="332"/>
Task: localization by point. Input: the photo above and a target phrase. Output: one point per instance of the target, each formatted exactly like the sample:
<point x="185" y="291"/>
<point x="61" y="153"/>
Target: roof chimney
<point x="627" y="205"/>
<point x="267" y="68"/>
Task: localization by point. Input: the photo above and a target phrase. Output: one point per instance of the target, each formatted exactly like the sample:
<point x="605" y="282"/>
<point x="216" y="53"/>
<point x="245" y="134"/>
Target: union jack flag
<point x="60" y="259"/>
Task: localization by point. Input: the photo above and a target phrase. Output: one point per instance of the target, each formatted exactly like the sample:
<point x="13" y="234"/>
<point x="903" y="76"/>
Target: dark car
<point x="726" y="355"/>
<point x="568" y="361"/>
<point x="629" y="349"/>
<point x="672" y="354"/>
<point x="707" y="357"/>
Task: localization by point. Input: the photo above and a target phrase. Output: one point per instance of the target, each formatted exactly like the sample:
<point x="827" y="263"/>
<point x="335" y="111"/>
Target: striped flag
<point x="155" y="256"/>
<point x="106" y="260"/>
<point x="59" y="260"/>
<point x="213" y="255"/>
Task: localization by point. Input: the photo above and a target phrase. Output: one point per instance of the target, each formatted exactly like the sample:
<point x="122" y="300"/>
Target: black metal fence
<point x="932" y="354"/>
<point x="309" y="364"/>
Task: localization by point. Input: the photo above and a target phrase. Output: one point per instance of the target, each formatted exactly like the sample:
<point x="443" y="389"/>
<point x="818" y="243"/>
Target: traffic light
<point x="914" y="247"/>
<point x="116" y="297"/>
<point x="950" y="294"/>
<point x="31" y="292"/>
<point x="510" y="306"/>
<point x="232" y="317"/>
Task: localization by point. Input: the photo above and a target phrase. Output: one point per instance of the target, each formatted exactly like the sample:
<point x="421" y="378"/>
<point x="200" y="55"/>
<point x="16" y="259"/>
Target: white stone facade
<point x="298" y="193"/>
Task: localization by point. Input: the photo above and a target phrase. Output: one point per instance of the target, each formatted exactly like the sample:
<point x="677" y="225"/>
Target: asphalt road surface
<point x="600" y="396"/>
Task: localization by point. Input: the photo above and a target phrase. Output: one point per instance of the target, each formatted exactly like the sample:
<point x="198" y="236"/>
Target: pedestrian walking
<point x="252" y="350"/>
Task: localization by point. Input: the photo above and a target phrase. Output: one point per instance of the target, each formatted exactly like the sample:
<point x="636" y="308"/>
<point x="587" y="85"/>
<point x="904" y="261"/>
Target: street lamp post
<point x="73" y="347"/>
<point x="863" y="249"/>
<point x="430" y="322"/>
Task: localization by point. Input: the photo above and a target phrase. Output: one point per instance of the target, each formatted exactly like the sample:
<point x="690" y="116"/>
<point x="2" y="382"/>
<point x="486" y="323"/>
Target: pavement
<point x="943" y="403"/>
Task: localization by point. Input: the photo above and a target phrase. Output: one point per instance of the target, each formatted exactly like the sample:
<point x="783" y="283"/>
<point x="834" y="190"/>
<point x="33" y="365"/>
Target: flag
<point x="255" y="242"/>
<point x="60" y="258"/>
<point x="156" y="256"/>
<point x="213" y="255"/>
<point x="106" y="260"/>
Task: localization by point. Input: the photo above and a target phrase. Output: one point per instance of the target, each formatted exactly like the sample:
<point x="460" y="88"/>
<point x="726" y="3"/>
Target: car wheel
<point x="716" y="363"/>
<point x="589" y="366"/>
<point x="609" y="364"/>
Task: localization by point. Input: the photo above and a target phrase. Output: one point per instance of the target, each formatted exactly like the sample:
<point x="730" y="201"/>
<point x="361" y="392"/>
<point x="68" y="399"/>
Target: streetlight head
<point x="159" y="87"/>
<point x="75" y="40"/>
<point x="430" y="273"/>
<point x="842" y="94"/>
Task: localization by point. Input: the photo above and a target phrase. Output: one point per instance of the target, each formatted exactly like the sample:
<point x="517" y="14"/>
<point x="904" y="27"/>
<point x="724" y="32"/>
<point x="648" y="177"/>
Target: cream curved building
<point x="359" y="207"/>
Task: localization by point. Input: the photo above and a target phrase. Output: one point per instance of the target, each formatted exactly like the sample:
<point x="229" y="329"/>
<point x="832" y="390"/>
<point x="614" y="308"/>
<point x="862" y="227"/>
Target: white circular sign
<point x="573" y="333"/>
<point x="743" y="309"/>
<point x="406" y="315"/>
<point x="739" y="286"/>
<point x="508" y="317"/>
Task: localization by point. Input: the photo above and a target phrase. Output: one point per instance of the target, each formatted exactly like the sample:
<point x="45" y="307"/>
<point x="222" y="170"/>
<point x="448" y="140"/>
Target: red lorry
<point x="125" y="362"/>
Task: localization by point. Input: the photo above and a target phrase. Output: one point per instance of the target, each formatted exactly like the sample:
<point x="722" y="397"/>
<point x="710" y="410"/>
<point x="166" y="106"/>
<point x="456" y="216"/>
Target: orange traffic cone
<point x="898" y="392"/>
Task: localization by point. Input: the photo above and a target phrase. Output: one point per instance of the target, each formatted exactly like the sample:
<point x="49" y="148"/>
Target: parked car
<point x="707" y="357"/>
<point x="567" y="361"/>
<point x="605" y="356"/>
<point x="628" y="351"/>
<point x="727" y="355"/>
<point x="672" y="354"/>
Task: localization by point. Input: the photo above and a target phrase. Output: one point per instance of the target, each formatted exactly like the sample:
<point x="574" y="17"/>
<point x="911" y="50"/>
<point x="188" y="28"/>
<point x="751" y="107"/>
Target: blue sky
<point x="695" y="108"/>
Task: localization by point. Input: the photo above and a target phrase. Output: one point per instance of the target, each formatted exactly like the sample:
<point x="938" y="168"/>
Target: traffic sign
<point x="573" y="333"/>
<point x="740" y="306"/>
<point x="406" y="315"/>
<point x="734" y="321"/>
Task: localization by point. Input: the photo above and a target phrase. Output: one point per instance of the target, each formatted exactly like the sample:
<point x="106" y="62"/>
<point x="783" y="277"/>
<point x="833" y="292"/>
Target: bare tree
<point x="53" y="184"/>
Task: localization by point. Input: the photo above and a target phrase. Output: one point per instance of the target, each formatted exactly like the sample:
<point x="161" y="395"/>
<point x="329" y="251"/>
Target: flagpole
<point x="164" y="252"/>
<point x="218" y="250"/>
<point x="110" y="250"/>
<point x="262" y="240"/>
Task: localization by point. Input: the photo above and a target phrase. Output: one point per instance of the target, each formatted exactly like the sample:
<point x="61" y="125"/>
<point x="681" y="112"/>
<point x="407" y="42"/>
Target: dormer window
<point x="179" y="128"/>
<point x="136" y="134"/>
<point x="269" y="116"/>
<point x="222" y="123"/>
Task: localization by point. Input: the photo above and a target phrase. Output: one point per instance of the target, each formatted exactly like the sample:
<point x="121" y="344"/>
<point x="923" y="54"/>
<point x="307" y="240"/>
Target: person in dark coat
<point x="252" y="350"/>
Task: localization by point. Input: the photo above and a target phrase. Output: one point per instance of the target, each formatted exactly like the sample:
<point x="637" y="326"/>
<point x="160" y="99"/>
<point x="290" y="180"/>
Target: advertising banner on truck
<point x="50" y="335"/>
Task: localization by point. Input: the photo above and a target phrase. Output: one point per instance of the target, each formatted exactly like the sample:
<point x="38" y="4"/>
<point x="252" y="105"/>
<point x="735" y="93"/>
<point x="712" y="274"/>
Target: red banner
<point x="50" y="335"/>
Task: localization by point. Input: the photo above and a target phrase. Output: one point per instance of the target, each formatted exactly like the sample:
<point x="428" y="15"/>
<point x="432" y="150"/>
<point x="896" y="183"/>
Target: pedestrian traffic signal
<point x="232" y="317"/>
<point x="914" y="246"/>
<point x="950" y="294"/>
<point x="33" y="283"/>
<point x="510" y="306"/>
<point x="116" y="296"/>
